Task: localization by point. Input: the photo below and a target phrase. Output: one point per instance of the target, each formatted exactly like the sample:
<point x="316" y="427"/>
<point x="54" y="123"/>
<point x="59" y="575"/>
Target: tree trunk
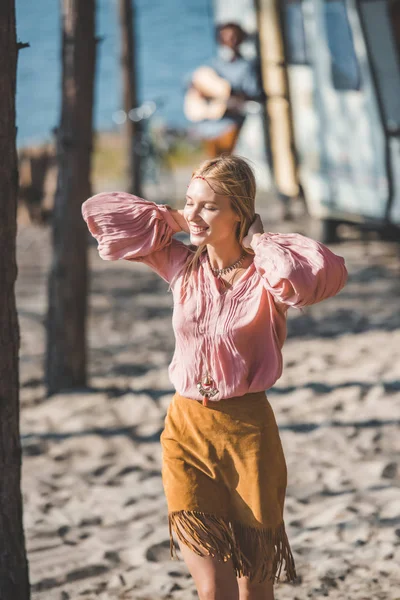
<point x="66" y="334"/>
<point x="14" y="578"/>
<point x="276" y="87"/>
<point x="130" y="96"/>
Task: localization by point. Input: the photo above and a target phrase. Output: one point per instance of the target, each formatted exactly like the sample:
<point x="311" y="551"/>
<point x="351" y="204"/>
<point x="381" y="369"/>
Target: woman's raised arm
<point x="130" y="228"/>
<point x="297" y="270"/>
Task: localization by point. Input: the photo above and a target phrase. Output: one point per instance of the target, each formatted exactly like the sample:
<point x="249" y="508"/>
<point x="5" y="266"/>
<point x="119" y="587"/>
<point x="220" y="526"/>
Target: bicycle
<point x="153" y="146"/>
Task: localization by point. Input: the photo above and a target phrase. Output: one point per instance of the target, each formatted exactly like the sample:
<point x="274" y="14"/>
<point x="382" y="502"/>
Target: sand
<point x="95" y="514"/>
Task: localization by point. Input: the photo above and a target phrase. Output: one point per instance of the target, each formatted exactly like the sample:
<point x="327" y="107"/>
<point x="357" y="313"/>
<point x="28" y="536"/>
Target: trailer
<point x="342" y="59"/>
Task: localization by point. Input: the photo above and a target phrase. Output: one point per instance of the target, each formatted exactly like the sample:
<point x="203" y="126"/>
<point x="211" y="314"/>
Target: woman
<point x="224" y="471"/>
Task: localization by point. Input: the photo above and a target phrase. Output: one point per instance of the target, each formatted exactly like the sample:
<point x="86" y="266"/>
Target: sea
<point x="172" y="38"/>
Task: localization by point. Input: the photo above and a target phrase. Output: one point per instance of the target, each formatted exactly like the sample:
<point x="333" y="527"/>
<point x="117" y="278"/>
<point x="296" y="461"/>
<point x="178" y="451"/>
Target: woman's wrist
<point x="179" y="219"/>
<point x="250" y="241"/>
<point x="254" y="232"/>
<point x="255" y="238"/>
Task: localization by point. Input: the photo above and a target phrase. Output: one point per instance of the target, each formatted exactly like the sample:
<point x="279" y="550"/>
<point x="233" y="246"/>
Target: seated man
<point x="231" y="81"/>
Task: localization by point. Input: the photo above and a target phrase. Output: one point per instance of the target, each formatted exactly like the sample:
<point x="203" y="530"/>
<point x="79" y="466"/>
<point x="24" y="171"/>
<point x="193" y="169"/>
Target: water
<point x="173" y="38"/>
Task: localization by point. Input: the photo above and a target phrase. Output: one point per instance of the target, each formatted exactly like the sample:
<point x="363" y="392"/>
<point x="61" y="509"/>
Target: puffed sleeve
<point x="130" y="228"/>
<point x="296" y="270"/>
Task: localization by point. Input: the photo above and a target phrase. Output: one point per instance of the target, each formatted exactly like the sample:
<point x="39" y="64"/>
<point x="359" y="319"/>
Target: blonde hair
<point x="233" y="177"/>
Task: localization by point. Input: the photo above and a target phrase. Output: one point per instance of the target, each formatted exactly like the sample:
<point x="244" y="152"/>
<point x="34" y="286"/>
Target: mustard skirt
<point x="224" y="476"/>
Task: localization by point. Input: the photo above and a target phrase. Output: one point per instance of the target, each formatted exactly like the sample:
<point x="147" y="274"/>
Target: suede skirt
<point x="224" y="476"/>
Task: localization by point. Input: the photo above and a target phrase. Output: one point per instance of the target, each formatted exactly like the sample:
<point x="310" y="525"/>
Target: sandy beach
<point x="94" y="510"/>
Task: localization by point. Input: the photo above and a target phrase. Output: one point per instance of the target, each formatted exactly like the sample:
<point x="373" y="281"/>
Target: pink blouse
<point x="240" y="333"/>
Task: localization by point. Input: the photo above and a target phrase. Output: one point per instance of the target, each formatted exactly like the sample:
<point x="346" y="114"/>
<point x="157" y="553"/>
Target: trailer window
<point x="345" y="70"/>
<point x="295" y="39"/>
<point x="380" y="27"/>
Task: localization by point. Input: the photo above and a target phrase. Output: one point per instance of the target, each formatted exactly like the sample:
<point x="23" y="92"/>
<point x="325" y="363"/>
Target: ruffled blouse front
<point x="239" y="334"/>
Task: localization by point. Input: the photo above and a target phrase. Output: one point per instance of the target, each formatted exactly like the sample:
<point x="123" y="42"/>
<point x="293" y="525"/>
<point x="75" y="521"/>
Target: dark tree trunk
<point x="14" y="578"/>
<point x="128" y="65"/>
<point x="66" y="335"/>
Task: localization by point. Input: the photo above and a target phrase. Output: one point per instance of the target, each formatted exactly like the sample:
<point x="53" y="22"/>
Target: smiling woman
<point x="224" y="471"/>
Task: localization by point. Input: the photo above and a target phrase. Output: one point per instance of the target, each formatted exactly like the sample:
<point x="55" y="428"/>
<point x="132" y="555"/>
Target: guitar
<point x="209" y="98"/>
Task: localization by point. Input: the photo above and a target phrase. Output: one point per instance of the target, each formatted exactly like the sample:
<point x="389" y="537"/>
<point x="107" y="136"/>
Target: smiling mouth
<point x="198" y="230"/>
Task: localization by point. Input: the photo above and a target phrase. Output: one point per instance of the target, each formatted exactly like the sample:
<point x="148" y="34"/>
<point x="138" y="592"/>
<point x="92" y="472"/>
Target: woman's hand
<point x="179" y="218"/>
<point x="256" y="228"/>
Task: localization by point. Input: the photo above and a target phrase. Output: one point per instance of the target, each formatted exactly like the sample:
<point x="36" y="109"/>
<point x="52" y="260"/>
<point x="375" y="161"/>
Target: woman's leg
<point x="255" y="591"/>
<point x="214" y="579"/>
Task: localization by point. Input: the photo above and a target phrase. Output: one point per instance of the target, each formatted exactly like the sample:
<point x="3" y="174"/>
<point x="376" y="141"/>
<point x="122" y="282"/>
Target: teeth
<point x="198" y="229"/>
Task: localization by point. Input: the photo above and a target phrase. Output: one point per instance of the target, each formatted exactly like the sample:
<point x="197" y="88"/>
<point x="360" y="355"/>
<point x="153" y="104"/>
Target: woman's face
<point x="210" y="216"/>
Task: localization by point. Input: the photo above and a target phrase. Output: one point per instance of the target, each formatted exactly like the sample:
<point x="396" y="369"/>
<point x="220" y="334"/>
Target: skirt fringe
<point x="257" y="553"/>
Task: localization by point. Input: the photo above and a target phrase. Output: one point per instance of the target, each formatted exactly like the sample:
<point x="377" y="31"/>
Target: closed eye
<point x="207" y="208"/>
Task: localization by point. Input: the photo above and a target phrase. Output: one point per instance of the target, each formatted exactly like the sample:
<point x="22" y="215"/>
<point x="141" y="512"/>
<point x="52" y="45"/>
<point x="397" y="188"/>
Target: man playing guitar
<point x="220" y="95"/>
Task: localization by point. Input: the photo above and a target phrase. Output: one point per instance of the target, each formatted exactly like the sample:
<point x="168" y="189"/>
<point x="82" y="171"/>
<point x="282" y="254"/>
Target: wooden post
<point x="66" y="332"/>
<point x="276" y="87"/>
<point x="14" y="578"/>
<point x="130" y="96"/>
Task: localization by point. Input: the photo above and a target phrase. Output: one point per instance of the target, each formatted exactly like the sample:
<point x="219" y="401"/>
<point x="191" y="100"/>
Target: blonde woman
<point x="224" y="471"/>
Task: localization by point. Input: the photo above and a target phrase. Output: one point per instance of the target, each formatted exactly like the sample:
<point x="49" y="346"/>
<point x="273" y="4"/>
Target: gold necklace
<point x="218" y="272"/>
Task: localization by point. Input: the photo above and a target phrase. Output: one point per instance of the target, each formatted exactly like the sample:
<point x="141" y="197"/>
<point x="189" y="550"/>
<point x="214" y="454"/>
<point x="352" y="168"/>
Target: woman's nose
<point x="193" y="213"/>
